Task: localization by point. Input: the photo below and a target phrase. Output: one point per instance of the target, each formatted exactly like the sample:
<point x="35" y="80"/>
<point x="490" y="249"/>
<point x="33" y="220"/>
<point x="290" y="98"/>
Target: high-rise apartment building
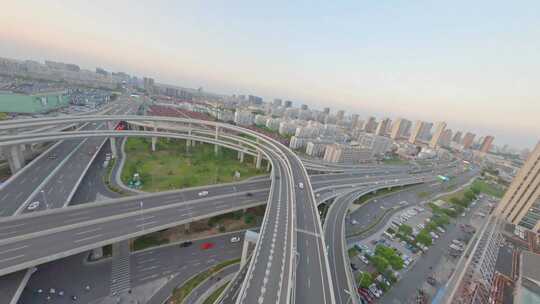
<point x="340" y="114"/>
<point x="523" y="193"/>
<point x="400" y="128"/>
<point x="326" y="110"/>
<point x="371" y="125"/>
<point x="383" y="126"/>
<point x="457" y="137"/>
<point x="421" y="131"/>
<point x="441" y="126"/>
<point x="468" y="140"/>
<point x="486" y="144"/>
<point x="277" y="102"/>
<point x="288" y="104"/>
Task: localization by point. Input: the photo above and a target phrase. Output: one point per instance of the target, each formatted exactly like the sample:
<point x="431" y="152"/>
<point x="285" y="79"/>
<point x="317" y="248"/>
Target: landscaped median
<point x="215" y="295"/>
<point x="180" y="293"/>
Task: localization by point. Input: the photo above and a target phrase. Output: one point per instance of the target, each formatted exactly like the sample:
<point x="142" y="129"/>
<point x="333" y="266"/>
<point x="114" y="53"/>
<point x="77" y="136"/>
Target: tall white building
<point x="243" y="118"/>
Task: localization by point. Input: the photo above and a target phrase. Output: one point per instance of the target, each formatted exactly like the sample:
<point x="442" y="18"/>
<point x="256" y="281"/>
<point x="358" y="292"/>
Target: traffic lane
<point x="9" y="285"/>
<point x="333" y="232"/>
<point x="67" y="216"/>
<point x="168" y="260"/>
<point x="41" y="249"/>
<point x="38" y="222"/>
<point x="265" y="276"/>
<point x="198" y="292"/>
<point x="312" y="285"/>
<point x="72" y="273"/>
<point x="218" y="190"/>
<point x="92" y="183"/>
<point x="56" y="191"/>
<point x="17" y="191"/>
<point x="69" y="275"/>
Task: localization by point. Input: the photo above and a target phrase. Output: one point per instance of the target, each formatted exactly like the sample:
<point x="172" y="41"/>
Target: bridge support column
<point x="216" y="147"/>
<point x="268" y="167"/>
<point x="245" y="247"/>
<point x="154" y="141"/>
<point x="186" y="227"/>
<point x="15" y="157"/>
<point x="258" y="160"/>
<point x="112" y="141"/>
<point x="249" y="237"/>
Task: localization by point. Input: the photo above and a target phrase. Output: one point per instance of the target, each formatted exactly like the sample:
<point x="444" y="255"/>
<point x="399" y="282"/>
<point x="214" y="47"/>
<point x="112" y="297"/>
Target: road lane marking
<point x="308" y="232"/>
<point x="88" y="238"/>
<point x="88" y="231"/>
<point x="13" y="249"/>
<point x="146" y="224"/>
<point x="12" y="258"/>
<point x="12" y="226"/>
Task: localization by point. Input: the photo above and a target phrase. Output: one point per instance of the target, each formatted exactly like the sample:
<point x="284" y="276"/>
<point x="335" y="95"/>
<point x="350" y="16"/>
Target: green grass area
<point x="180" y="293"/>
<point x="423" y="194"/>
<point x="487" y="188"/>
<point x="171" y="166"/>
<point x="147" y="241"/>
<point x="215" y="295"/>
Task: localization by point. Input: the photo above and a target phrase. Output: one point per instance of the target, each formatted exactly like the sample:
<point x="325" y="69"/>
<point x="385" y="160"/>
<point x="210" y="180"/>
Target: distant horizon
<point x="422" y="61"/>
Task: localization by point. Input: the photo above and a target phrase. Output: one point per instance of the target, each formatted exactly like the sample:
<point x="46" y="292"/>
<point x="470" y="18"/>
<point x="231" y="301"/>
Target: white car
<point x="364" y="260"/>
<point x="301" y="185"/>
<point x="235" y="239"/>
<point x="203" y="193"/>
<point x="33" y="205"/>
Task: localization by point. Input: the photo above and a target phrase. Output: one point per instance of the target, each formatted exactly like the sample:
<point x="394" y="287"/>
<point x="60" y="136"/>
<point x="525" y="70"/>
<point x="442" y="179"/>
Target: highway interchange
<point x="290" y="259"/>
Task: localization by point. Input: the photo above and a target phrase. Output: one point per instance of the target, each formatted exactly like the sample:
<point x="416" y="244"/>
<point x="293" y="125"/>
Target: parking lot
<point x="424" y="267"/>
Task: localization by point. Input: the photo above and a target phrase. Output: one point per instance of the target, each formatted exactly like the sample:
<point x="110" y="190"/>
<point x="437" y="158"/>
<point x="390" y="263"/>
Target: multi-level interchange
<point x="296" y="257"/>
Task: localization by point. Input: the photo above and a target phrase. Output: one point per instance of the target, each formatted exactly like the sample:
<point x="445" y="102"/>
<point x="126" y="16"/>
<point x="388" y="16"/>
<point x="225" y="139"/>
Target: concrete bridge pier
<point x="250" y="238"/>
<point x="154" y="141"/>
<point x="216" y="147"/>
<point x="268" y="166"/>
<point x="15" y="157"/>
<point x="258" y="160"/>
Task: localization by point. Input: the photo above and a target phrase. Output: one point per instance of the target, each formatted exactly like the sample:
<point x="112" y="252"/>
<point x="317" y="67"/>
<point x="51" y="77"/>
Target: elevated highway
<point x="289" y="257"/>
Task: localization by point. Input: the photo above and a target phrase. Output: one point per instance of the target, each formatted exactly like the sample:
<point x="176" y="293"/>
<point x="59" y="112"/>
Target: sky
<point x="474" y="64"/>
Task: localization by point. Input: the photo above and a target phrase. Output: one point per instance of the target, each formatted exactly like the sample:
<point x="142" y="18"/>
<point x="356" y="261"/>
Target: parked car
<point x="364" y="260"/>
<point x="203" y="193"/>
<point x="235" y="239"/>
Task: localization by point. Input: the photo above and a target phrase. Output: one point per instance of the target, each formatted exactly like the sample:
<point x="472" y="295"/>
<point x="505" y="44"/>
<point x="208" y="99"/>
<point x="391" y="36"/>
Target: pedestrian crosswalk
<point x="120" y="276"/>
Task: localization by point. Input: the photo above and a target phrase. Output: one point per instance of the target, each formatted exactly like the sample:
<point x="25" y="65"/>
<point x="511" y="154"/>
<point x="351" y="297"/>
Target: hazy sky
<point x="474" y="64"/>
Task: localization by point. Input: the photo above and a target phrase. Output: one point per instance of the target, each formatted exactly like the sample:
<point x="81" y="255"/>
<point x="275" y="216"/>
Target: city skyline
<point x="400" y="80"/>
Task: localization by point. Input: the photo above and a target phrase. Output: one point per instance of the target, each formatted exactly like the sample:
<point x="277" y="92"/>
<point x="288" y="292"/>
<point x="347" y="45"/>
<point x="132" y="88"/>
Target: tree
<point x="424" y="237"/>
<point x="469" y="195"/>
<point x="455" y="201"/>
<point x="476" y="189"/>
<point x="405" y="229"/>
<point x="380" y="263"/>
<point x="365" y="279"/>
